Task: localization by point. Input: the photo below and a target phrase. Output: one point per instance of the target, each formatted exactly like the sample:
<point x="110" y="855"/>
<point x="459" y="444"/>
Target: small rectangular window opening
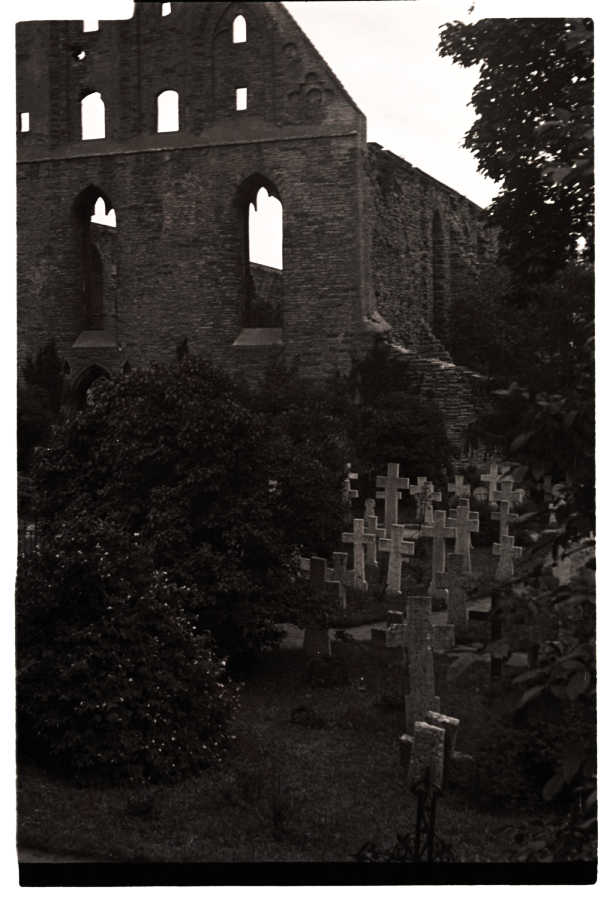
<point x="25" y="121"/>
<point x="241" y="98"/>
<point x="166" y="9"/>
<point x="91" y="25"/>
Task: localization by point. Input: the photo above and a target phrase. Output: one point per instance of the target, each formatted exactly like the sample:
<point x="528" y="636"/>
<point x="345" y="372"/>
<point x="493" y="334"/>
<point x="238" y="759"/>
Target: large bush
<point x="113" y="679"/>
<point x="180" y="456"/>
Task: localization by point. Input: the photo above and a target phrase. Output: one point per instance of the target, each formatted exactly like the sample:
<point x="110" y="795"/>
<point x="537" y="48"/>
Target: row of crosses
<point x="368" y="537"/>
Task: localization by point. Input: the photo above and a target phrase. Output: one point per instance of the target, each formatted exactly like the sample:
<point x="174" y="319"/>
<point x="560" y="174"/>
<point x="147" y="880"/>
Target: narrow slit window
<point x="168" y="114"/>
<point x="91" y="25"/>
<point x="93" y="117"/>
<point x="25" y="121"/>
<point x="241" y="98"/>
<point x="239" y="30"/>
<point x="166" y="9"/>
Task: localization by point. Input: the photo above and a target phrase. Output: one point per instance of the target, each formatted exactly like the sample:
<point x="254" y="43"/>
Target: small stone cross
<point x="398" y="549"/>
<point x="320" y="579"/>
<point x="506" y="550"/>
<point x="439" y="531"/>
<point x="425" y="495"/>
<point x="349" y="493"/>
<point x="492" y="478"/>
<point x="465" y="523"/>
<point x="359" y="539"/>
<point x="506" y="492"/>
<point x="391" y="485"/>
<point x="458" y="487"/>
<point x="339" y="573"/>
<point x="504" y="516"/>
<point x="372" y="530"/>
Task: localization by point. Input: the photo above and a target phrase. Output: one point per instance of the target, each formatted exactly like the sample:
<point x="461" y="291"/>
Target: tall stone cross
<point x="372" y="530"/>
<point x="506" y="492"/>
<point x="492" y="478"/>
<point x="391" y="486"/>
<point x="465" y="523"/>
<point x="349" y="493"/>
<point x="360" y="540"/>
<point x="506" y="550"/>
<point x="458" y="487"/>
<point x="425" y="495"/>
<point x="504" y="516"/>
<point x="421" y="695"/>
<point x="398" y="549"/>
<point x="439" y="531"/>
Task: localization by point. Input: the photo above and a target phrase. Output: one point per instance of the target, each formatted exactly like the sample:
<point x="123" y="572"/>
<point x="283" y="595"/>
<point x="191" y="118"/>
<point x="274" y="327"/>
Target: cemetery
<point x="306" y="555"/>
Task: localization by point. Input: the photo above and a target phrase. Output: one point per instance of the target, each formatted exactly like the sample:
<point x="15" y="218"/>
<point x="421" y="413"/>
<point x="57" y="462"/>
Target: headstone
<point x="443" y="637"/>
<point x="439" y="531"/>
<point x="321" y="579"/>
<point x="359" y="540"/>
<point x="506" y="492"/>
<point x="504" y="516"/>
<point x="425" y="496"/>
<point x="492" y="478"/>
<point x="421" y="696"/>
<point x="451" y="580"/>
<point x="458" y="487"/>
<point x="372" y="530"/>
<point x="349" y="493"/>
<point x="465" y="523"/>
<point x="480" y="494"/>
<point x="507" y="551"/>
<point x="427" y="765"/>
<point x="450" y="726"/>
<point x="398" y="549"/>
<point x="391" y="486"/>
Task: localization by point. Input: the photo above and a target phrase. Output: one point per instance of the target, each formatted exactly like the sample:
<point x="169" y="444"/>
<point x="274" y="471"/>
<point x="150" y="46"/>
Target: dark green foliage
<point x="533" y="132"/>
<point x="113" y="680"/>
<point x="175" y="455"/>
<point x="40" y="394"/>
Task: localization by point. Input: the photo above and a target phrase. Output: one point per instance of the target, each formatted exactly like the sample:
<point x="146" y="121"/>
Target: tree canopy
<point x="533" y="132"/>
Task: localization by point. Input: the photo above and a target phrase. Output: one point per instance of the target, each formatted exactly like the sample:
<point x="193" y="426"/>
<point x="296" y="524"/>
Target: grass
<point x="309" y="786"/>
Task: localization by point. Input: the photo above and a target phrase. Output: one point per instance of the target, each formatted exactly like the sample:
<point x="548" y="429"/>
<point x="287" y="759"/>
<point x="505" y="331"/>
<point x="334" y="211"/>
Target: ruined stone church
<point x="134" y="234"/>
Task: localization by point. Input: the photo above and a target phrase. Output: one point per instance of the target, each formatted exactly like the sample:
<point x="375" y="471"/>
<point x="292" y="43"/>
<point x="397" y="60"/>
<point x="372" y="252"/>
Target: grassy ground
<point x="313" y="785"/>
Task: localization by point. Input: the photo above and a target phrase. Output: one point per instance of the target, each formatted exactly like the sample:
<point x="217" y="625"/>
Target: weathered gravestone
<point x="316" y="641"/>
<point x="452" y="582"/>
<point x="419" y="637"/>
<point x="338" y="572"/>
<point x="349" y="493"/>
<point x="506" y="551"/>
<point x="506" y="492"/>
<point x="492" y="478"/>
<point x="391" y="486"/>
<point x="458" y="487"/>
<point x="465" y="523"/>
<point x="399" y="550"/>
<point x="439" y="531"/>
<point x="359" y="540"/>
<point x="374" y="532"/>
<point x="425" y="497"/>
<point x="504" y="516"/>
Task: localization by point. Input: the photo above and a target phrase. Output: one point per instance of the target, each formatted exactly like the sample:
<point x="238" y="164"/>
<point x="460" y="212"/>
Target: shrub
<point x="113" y="681"/>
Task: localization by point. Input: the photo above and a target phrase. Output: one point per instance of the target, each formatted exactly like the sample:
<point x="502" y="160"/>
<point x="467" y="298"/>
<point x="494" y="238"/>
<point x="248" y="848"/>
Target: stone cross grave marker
<point x="504" y="516"/>
<point x="399" y="549"/>
<point x="338" y="572"/>
<point x="421" y="696"/>
<point x="391" y="486"/>
<point x="372" y="530"/>
<point x="506" y="492"/>
<point x="425" y="496"/>
<point x="507" y="551"/>
<point x="439" y="531"/>
<point x="465" y="523"/>
<point x="349" y="493"/>
<point x="492" y="478"/>
<point x="457" y="612"/>
<point x="359" y="540"/>
<point x="427" y="764"/>
<point x="458" y="487"/>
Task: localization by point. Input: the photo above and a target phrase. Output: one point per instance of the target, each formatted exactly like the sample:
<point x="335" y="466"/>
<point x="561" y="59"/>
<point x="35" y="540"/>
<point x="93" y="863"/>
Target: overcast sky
<point x="384" y="53"/>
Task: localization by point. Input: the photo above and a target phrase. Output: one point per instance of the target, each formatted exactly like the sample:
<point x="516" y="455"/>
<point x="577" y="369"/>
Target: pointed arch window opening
<point x="93" y="117"/>
<point x="168" y="111"/>
<point x="166" y="9"/>
<point x="265" y="230"/>
<point x="102" y="217"/>
<point x="98" y="269"/>
<point x="240" y="30"/>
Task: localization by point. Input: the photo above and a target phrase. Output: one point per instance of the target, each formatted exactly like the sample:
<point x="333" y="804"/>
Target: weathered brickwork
<point x="367" y="239"/>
